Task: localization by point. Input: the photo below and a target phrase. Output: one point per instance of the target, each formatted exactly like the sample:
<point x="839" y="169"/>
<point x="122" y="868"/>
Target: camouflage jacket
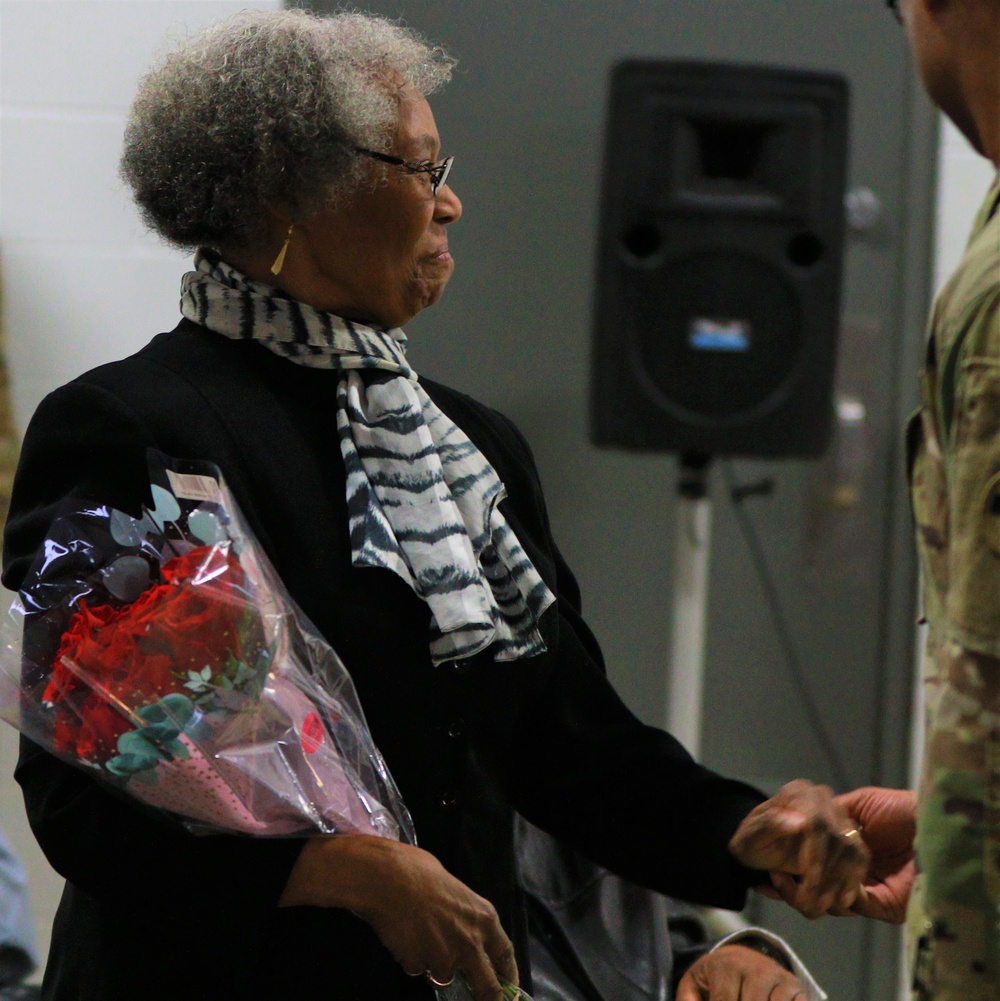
<point x="954" y="445"/>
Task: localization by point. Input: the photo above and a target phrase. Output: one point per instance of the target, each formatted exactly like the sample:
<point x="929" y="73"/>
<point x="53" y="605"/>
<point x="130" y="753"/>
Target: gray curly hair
<point x="266" y="107"/>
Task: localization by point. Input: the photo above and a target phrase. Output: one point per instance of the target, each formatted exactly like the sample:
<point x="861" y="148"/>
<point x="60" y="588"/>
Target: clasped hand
<point x="849" y="854"/>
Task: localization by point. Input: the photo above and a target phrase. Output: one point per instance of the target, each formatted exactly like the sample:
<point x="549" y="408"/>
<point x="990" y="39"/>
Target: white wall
<point x="963" y="180"/>
<point x="82" y="283"/>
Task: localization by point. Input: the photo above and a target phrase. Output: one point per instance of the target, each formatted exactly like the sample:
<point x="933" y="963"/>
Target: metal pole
<point x="686" y="666"/>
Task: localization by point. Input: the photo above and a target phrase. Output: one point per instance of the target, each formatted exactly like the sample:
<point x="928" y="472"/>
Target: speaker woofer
<point x="717" y="336"/>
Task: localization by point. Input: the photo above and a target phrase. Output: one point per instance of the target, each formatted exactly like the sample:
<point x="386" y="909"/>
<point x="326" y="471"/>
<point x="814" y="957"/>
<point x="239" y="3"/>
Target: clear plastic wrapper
<point x="162" y="654"/>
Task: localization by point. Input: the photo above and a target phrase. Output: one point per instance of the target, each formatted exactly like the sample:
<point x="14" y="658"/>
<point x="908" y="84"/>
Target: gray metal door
<point x="524" y="117"/>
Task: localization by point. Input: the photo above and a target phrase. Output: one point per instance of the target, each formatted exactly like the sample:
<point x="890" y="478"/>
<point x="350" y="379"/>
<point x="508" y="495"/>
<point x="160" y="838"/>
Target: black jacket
<point x="151" y="912"/>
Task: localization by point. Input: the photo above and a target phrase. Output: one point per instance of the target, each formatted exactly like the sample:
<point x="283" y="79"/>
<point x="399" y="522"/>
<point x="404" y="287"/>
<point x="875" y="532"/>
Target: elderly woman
<point x="301" y="155"/>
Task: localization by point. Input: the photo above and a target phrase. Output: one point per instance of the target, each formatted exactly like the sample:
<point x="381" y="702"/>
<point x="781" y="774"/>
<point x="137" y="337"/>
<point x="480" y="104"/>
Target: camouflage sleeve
<point x="953" y="933"/>
<point x="973" y="612"/>
<point x="954" y="930"/>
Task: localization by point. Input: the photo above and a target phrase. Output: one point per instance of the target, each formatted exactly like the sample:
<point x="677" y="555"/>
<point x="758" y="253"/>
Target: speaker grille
<point x="717" y="335"/>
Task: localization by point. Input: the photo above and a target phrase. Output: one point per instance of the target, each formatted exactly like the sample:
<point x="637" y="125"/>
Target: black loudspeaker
<point x="719" y="261"/>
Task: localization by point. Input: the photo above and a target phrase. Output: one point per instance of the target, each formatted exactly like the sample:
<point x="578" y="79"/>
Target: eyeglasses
<point x="893" y="5"/>
<point x="438" y="172"/>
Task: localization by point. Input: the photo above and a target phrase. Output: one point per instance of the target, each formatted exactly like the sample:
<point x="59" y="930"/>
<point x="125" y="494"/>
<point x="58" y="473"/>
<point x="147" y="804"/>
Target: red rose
<point x="78" y="639"/>
<point x="100" y="726"/>
<point x="137" y="654"/>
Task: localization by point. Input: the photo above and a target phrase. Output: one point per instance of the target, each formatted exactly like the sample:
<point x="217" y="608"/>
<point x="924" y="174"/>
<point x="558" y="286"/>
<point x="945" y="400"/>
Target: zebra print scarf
<point x="421" y="498"/>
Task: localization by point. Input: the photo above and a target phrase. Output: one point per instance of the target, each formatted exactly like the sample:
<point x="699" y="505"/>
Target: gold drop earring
<point x="279" y="261"/>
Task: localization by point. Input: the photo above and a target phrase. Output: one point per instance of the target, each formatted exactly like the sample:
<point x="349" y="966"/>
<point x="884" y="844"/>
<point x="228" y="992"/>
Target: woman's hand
<point x="809" y="843"/>
<point x="736" y="973"/>
<point x="431" y="922"/>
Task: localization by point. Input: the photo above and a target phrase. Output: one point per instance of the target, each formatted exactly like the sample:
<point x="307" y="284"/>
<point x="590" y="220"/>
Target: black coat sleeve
<point x="626" y="795"/>
<point x="84" y="442"/>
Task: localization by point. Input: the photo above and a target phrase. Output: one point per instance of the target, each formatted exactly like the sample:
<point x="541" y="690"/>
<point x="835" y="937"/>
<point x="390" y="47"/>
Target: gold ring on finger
<point x="439" y="983"/>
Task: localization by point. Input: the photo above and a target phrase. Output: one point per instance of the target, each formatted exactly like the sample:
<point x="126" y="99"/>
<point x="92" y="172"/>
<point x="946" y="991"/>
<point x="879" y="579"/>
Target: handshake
<point x="826" y="854"/>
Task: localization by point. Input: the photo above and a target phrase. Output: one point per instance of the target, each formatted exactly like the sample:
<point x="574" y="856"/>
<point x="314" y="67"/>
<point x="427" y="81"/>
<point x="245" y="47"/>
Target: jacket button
<point x="449" y="799"/>
<point x="456" y="728"/>
<point x="460" y="666"/>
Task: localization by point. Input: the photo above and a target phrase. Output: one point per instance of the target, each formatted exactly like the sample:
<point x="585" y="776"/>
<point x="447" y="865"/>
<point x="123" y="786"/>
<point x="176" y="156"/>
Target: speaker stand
<point x="686" y="664"/>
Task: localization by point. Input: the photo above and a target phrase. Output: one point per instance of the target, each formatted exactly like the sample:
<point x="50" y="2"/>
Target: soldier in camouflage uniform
<point x="955" y="478"/>
<point x="954" y="452"/>
<point x="954" y="467"/>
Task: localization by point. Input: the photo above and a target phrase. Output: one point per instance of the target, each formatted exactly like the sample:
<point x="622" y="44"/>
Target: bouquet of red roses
<point x="163" y="654"/>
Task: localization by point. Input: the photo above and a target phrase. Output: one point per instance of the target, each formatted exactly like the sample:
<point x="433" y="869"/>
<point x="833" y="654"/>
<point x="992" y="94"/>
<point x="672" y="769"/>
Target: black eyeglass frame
<point x="893" y="5"/>
<point x="438" y="172"/>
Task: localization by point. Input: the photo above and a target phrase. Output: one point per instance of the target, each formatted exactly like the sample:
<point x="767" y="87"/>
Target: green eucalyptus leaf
<point x="147" y="526"/>
<point x="205" y="525"/>
<point x="127" y="577"/>
<point x="134" y="742"/>
<point x="174" y="709"/>
<point x="124" y="529"/>
<point x="165" y="507"/>
<point x="178" y="750"/>
<point x="160" y="733"/>
<point x="152" y="713"/>
<point x="244" y="673"/>
<point x="177" y="708"/>
<point x="128" y="764"/>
